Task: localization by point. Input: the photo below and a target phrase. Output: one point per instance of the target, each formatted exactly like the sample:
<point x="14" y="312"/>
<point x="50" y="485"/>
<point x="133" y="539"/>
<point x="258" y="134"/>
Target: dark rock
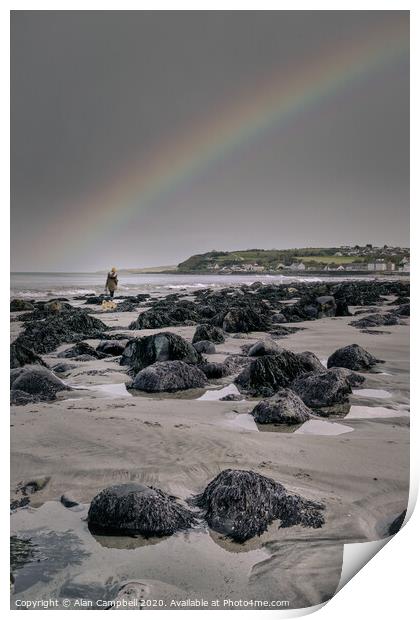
<point x="242" y="504"/>
<point x="20" y="305"/>
<point x="82" y="349"/>
<point x="376" y="320"/>
<point x="142" y="352"/>
<point x="403" y="310"/>
<point x="269" y="373"/>
<point x="264" y="347"/>
<point x="352" y="377"/>
<point x="138" y="509"/>
<point x="214" y="370"/>
<point x="318" y="390"/>
<point x="245" y="320"/>
<point x="20" y="355"/>
<point x="396" y="525"/>
<point x="310" y="361"/>
<point x="63" y="368"/>
<point x="208" y="332"/>
<point x="169" y="377"/>
<point x="111" y="347"/>
<point x="204" y="346"/>
<point x="285" y="407"/>
<point x="19" y="397"/>
<point x="44" y="336"/>
<point x="353" y="357"/>
<point x="166" y="314"/>
<point x="231" y="397"/>
<point x="278" y="317"/>
<point x="68" y="502"/>
<point x="326" y="306"/>
<point x="40" y="383"/>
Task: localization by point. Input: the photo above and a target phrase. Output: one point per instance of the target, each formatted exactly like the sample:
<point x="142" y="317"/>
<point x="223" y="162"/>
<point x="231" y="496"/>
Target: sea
<point x="45" y="285"/>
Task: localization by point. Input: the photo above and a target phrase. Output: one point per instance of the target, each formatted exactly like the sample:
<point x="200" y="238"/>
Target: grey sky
<point x="93" y="92"/>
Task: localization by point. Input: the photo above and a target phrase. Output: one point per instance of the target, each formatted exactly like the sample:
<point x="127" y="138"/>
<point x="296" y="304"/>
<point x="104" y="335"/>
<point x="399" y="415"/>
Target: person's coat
<point x="111" y="282"/>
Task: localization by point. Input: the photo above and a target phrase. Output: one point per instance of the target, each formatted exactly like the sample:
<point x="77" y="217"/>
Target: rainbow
<point x="247" y="116"/>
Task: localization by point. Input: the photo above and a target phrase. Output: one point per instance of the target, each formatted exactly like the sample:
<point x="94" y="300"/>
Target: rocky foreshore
<point x="114" y="393"/>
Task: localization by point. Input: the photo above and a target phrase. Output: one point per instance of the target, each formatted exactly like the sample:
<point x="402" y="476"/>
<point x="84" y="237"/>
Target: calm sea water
<point x="43" y="285"/>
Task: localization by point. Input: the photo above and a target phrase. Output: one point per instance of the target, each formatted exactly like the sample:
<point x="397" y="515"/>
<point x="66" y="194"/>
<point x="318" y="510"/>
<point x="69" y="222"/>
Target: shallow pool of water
<point x="218" y="394"/>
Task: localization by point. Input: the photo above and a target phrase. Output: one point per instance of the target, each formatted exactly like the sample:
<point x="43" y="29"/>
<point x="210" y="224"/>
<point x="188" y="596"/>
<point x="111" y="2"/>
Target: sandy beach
<point x="100" y="434"/>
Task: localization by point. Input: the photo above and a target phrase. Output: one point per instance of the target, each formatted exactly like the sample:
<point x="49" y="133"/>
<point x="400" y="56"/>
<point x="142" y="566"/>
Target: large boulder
<point x="208" y="332"/>
<point x="319" y="390"/>
<point x="20" y="355"/>
<point x="285" y="407"/>
<point x="137" y="509"/>
<point x="142" y="352"/>
<point x="242" y="504"/>
<point x="38" y="382"/>
<point x="169" y="377"/>
<point x="269" y="373"/>
<point x="353" y="357"/>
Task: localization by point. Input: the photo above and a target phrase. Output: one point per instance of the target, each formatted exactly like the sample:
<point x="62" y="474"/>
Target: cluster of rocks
<point x="296" y="386"/>
<point x="239" y="504"/>
<point x="263" y="308"/>
<point x="47" y="329"/>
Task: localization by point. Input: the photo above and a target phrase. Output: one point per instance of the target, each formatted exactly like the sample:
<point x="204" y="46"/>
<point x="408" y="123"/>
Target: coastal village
<point x="346" y="258"/>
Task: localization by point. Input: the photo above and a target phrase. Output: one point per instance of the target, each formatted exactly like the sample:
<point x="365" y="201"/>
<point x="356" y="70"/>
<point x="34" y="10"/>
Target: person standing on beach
<point x="112" y="282"/>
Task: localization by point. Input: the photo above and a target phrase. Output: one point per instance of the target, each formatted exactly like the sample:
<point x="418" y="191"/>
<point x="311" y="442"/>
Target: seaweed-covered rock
<point x="142" y="352"/>
<point x="111" y="347"/>
<point x="82" y="349"/>
<point x="245" y="320"/>
<point x="20" y="355"/>
<point x="269" y="373"/>
<point x="70" y="325"/>
<point x="214" y="370"/>
<point x="20" y="305"/>
<point x="326" y="306"/>
<point x="62" y="368"/>
<point x="204" y="346"/>
<point x="285" y="407"/>
<point x="353" y="357"/>
<point x="352" y="377"/>
<point x="310" y="361"/>
<point x="318" y="390"/>
<point x="169" y="377"/>
<point x="165" y="314"/>
<point x="208" y="332"/>
<point x="40" y="383"/>
<point x="376" y="320"/>
<point x="137" y="509"/>
<point x="242" y="504"/>
<point x="264" y="347"/>
<point x="403" y="310"/>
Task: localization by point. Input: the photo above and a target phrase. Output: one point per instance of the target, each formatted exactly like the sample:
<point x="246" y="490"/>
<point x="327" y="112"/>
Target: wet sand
<point x="99" y="435"/>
